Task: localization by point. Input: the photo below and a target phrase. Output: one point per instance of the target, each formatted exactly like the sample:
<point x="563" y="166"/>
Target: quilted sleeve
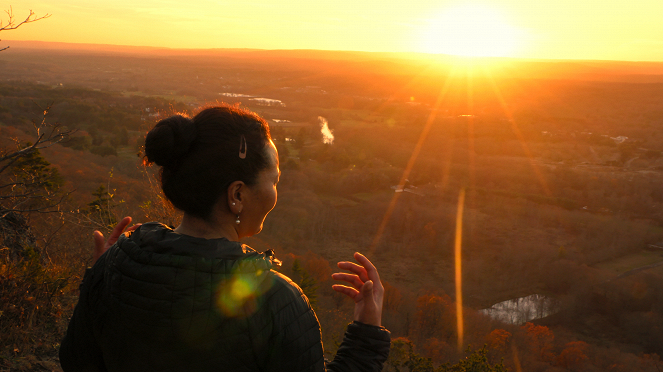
<point x="79" y="351"/>
<point x="364" y="348"/>
<point x="295" y="343"/>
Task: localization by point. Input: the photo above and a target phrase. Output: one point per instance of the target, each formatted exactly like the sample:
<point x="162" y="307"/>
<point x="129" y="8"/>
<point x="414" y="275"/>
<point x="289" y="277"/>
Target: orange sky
<point x="573" y="29"/>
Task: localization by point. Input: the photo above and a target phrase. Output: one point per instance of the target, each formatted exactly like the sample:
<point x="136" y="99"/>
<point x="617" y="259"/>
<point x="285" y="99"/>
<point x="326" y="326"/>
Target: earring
<point x="237" y="220"/>
<point x="233" y="203"/>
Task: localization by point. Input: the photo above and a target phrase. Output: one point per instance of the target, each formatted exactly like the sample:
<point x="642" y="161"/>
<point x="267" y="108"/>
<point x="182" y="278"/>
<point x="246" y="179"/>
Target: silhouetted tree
<point x="27" y="182"/>
<point x="402" y="357"/>
<point x="306" y="283"/>
<point x="101" y="208"/>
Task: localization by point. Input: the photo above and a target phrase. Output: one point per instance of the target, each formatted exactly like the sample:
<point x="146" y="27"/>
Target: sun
<point x="473" y="31"/>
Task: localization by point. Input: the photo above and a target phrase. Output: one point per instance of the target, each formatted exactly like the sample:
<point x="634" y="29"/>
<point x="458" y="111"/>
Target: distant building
<point x="267" y="102"/>
<point x="619" y="139"/>
<point x="236" y="95"/>
<point x="407" y="187"/>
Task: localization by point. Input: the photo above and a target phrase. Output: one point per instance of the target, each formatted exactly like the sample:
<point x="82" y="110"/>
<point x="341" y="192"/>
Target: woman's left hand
<point x="101" y="245"/>
<point x="365" y="289"/>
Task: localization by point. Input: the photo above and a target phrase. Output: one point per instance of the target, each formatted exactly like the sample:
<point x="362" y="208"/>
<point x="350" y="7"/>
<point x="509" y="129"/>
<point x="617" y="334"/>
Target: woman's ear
<point x="235" y="194"/>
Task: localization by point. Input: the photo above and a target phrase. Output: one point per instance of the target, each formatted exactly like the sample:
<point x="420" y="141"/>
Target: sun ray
<point x="516" y="131"/>
<point x="458" y="265"/>
<point x="413" y="82"/>
<point x="410" y="164"/>
<point x="516" y="359"/>
<point x="446" y="166"/>
<point x="470" y="128"/>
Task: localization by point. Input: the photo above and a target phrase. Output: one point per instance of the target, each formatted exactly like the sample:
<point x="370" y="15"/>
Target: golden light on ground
<point x="410" y="164"/>
<point x="473" y="31"/>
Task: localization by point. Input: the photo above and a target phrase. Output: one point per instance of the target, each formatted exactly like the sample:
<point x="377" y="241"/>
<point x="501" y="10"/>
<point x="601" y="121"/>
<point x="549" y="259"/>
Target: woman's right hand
<point x="364" y="288"/>
<point x="101" y="245"/>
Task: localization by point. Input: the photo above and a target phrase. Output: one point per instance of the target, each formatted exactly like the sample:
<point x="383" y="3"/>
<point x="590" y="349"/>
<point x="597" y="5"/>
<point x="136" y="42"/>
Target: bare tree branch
<point x="30" y="188"/>
<point x="13" y="184"/>
<point x="57" y="134"/>
<point x="40" y="209"/>
<point x="13" y="24"/>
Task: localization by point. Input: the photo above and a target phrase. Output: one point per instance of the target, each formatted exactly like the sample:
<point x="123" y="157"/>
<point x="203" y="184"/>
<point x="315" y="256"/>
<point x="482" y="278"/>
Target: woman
<point x="194" y="298"/>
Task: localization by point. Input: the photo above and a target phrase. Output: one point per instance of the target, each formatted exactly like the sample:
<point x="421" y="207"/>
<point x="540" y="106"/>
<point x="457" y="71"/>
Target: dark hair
<point x="200" y="157"/>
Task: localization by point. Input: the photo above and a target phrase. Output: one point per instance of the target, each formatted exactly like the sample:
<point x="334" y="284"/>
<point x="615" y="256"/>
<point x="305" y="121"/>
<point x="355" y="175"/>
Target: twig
<point x="13" y="25"/>
<point x="11" y="22"/>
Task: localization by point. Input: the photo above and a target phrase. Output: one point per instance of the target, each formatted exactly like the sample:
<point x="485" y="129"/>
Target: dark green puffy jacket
<point x="161" y="301"/>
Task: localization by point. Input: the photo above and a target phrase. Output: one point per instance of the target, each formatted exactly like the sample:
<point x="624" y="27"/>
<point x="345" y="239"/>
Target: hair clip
<point x="242" y="147"/>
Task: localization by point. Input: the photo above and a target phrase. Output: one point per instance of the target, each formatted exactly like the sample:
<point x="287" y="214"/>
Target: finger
<point x="117" y="231"/>
<point x="134" y="227"/>
<point x="350" y="278"/>
<point x="371" y="271"/>
<point x="348" y="291"/>
<point x="353" y="267"/>
<point x="367" y="292"/>
<point x="98" y="244"/>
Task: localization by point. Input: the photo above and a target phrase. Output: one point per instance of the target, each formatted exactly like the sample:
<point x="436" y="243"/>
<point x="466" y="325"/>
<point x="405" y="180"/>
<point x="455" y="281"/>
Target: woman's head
<point x="203" y="156"/>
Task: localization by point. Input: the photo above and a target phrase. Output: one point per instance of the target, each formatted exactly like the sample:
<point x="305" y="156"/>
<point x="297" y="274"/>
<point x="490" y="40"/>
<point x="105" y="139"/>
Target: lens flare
<point x="516" y="360"/>
<point x="459" y="278"/>
<point x="410" y="164"/>
<point x="236" y="297"/>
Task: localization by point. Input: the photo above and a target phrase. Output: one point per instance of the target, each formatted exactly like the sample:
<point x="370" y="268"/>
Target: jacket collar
<point x="154" y="243"/>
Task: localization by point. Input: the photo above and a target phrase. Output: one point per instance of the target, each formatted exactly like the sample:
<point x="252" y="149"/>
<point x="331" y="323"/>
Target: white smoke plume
<point x="327" y="135"/>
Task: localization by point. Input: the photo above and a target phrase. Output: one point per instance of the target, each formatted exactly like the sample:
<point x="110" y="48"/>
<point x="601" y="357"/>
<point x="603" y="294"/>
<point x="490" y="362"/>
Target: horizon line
<point x="87" y="46"/>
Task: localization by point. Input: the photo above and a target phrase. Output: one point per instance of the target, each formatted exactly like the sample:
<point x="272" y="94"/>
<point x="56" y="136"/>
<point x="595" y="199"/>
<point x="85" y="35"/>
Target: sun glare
<point x="473" y="31"/>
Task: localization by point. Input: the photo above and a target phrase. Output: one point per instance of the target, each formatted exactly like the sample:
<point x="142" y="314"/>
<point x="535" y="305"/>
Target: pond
<point x="522" y="310"/>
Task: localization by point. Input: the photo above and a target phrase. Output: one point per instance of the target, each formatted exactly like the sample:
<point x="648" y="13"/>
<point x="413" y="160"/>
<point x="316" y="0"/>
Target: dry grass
<point x="34" y="311"/>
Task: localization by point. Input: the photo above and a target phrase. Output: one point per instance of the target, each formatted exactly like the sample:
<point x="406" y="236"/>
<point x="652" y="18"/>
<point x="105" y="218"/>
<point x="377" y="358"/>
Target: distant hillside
<point x="397" y="63"/>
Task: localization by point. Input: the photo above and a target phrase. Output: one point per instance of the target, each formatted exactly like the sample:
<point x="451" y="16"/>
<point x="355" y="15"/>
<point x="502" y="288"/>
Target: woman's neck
<point x="212" y="229"/>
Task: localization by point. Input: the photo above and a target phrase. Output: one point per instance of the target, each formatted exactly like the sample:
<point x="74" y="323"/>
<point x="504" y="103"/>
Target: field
<point x="633" y="261"/>
<point x="562" y="177"/>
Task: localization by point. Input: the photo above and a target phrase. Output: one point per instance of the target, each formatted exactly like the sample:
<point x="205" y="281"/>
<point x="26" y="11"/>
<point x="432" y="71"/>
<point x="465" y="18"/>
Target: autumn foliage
<point x="527" y="228"/>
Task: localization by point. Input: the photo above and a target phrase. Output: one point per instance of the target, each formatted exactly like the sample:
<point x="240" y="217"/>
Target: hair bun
<point x="169" y="140"/>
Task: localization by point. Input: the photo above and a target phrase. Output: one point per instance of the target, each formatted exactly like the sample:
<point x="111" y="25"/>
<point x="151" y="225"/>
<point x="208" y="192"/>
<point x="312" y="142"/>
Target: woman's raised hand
<point x="364" y="288"/>
<point x="101" y="245"/>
